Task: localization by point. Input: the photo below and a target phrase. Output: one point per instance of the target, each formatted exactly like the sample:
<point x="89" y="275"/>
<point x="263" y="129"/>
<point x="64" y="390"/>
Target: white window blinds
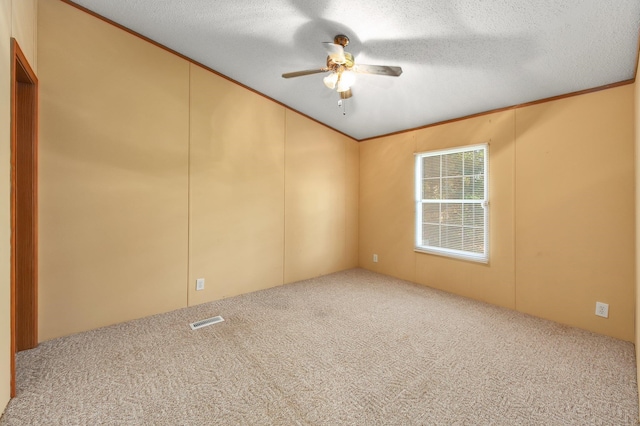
<point x="451" y="202"/>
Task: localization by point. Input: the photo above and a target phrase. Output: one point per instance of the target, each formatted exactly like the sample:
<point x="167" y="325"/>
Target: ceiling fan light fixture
<point x="346" y="80"/>
<point x="342" y="68"/>
<point x="342" y="87"/>
<point x="331" y="80"/>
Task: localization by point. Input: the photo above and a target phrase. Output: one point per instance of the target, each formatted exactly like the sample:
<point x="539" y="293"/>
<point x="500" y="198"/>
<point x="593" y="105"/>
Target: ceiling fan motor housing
<point x="341" y="39"/>
<point x="348" y="62"/>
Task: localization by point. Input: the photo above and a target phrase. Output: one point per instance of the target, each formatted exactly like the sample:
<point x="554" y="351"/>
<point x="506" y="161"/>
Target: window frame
<point x="419" y="202"/>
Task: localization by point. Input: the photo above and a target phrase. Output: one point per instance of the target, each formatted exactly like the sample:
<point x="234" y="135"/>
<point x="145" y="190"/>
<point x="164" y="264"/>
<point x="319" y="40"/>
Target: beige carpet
<point x="352" y="348"/>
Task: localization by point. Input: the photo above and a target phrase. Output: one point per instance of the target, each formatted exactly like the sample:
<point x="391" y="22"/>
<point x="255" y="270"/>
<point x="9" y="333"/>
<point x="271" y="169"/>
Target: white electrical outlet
<point x="602" y="309"/>
<point x="375" y="258"/>
<point x="200" y="284"/>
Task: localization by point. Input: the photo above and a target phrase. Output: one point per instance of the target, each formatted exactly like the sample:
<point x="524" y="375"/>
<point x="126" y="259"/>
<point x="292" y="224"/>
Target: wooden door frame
<point x="24" y="137"/>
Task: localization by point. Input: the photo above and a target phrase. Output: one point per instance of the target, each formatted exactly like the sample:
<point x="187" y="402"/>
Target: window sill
<point x="453" y="255"/>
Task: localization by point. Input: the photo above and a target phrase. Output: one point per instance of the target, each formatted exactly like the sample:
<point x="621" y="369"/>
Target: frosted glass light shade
<point x="331" y="80"/>
<point x="347" y="78"/>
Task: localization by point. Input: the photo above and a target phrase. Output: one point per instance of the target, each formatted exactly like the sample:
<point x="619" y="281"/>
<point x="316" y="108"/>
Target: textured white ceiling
<point x="459" y="57"/>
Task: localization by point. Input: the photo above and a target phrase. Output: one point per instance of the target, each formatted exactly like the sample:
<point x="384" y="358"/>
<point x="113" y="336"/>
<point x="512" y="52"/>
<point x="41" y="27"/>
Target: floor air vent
<point x="205" y="322"/>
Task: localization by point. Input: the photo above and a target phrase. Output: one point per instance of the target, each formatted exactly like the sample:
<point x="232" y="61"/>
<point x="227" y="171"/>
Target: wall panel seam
<point x="515" y="216"/>
<point x="284" y="197"/>
<point x="188" y="182"/>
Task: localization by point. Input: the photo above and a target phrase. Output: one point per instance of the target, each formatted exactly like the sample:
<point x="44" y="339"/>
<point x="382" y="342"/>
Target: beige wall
<point x="386" y="205"/>
<point x="113" y="174"/>
<point x="562" y="210"/>
<point x="155" y="172"/>
<point x="636" y="120"/>
<point x="24" y="28"/>
<point x="236" y="228"/>
<point x="575" y="207"/>
<point x="5" y="214"/>
<point x="18" y="20"/>
<point x="321" y="186"/>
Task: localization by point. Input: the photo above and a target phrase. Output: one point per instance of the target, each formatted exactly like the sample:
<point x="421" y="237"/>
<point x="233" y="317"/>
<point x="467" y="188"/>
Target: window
<point x="452" y="211"/>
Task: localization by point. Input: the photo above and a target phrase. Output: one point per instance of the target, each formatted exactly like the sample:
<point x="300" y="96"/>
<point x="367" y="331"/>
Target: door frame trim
<point x="22" y="73"/>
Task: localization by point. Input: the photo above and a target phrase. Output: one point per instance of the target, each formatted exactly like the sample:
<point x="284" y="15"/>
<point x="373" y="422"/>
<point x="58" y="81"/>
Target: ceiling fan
<point x="342" y="66"/>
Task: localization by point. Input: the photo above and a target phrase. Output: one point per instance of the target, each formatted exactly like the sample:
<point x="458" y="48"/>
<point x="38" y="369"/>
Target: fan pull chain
<point x="342" y="104"/>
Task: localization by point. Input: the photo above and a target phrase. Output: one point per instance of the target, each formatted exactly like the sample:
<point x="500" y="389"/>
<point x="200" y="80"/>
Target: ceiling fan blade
<point x="305" y="72"/>
<point x="378" y="70"/>
<point x="335" y="52"/>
